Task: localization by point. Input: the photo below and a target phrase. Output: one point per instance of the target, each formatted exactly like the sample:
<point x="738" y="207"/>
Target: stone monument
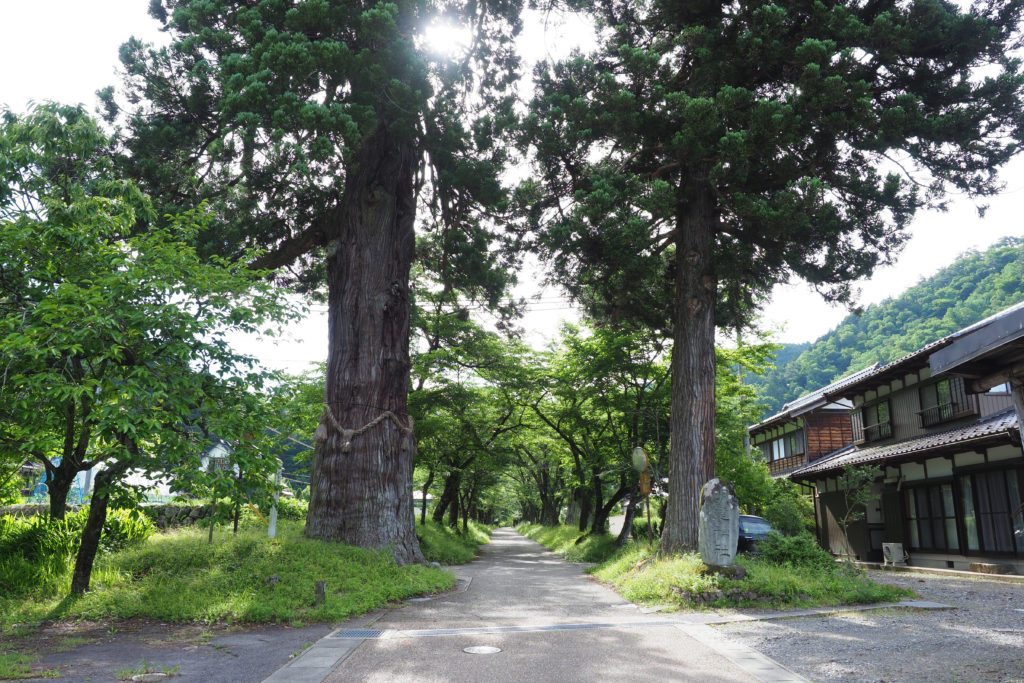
<point x="719" y="526"/>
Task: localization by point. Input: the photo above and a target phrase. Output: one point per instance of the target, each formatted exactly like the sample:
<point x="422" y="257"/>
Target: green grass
<point x="565" y="540"/>
<point x="177" y="576"/>
<point x="682" y="581"/>
<point x="14" y="666"/>
<point x="440" y="543"/>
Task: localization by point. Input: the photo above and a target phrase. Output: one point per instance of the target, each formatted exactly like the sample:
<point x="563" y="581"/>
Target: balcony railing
<point x="882" y="430"/>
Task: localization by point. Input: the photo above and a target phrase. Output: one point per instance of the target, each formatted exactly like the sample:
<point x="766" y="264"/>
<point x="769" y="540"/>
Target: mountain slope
<point x="973" y="287"/>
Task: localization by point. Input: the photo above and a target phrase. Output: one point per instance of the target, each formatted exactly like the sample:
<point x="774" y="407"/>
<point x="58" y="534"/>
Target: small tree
<point x="113" y="346"/>
<point x="857" y="486"/>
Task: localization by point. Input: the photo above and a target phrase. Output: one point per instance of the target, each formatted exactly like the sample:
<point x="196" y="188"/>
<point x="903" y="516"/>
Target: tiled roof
<point x="798" y="406"/>
<point x="986" y="428"/>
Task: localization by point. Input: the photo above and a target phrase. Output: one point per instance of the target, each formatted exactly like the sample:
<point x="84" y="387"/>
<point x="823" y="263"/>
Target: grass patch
<point x="147" y="668"/>
<point x="14" y="666"/>
<point x="179" y="577"/>
<point x="440" y="543"/>
<point x="682" y="581"/>
<point x="566" y="541"/>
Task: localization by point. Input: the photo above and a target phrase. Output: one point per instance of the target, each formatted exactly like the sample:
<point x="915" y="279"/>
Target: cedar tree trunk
<point x="361" y="483"/>
<point x="692" y="446"/>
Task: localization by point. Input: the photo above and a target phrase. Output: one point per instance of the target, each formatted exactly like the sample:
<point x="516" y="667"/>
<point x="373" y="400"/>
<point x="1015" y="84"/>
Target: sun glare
<point x="445" y="39"/>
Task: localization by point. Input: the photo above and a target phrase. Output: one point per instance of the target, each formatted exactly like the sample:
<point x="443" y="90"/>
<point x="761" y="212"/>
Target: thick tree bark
<point x="361" y="483"/>
<point x="93" y="529"/>
<point x="692" y="447"/>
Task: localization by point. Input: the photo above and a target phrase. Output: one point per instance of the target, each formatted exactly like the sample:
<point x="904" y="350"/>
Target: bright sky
<point x="65" y="50"/>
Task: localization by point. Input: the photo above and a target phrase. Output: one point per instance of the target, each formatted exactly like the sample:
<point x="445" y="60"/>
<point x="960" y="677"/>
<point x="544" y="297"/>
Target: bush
<point x="789" y="511"/>
<point x="37" y="551"/>
<point x="440" y="543"/>
<point x="292" y="508"/>
<point x="123" y="528"/>
<point x="801" y="550"/>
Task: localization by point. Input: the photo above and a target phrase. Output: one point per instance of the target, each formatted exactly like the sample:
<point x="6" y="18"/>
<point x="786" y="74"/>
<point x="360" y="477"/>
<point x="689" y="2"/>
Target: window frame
<point x="877" y="430"/>
<point x="938" y="412"/>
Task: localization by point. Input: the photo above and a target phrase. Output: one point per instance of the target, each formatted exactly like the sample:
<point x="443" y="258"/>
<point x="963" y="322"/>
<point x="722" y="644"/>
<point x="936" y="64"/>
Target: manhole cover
<point x="481" y="650"/>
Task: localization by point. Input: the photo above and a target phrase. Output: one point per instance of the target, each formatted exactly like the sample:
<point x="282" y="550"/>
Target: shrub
<point x="801" y="550"/>
<point x="123" y="528"/>
<point x="292" y="508"/>
<point x="36" y="552"/>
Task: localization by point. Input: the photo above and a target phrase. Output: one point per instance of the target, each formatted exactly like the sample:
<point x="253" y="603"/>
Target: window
<point x="993" y="517"/>
<point x="784" y="446"/>
<point x="931" y="517"/>
<point x="942" y="401"/>
<point x="871" y="423"/>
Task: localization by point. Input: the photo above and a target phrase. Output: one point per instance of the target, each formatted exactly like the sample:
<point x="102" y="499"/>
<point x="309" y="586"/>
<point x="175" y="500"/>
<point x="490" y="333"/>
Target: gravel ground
<point x="982" y="639"/>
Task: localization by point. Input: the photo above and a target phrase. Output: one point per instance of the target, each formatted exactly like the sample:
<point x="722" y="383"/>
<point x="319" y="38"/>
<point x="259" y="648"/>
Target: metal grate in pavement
<point x="357" y="633"/>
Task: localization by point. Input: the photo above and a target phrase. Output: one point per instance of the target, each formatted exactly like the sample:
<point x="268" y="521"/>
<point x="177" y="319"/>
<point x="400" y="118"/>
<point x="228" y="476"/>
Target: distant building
<point x="941" y="425"/>
<point x="806" y="429"/>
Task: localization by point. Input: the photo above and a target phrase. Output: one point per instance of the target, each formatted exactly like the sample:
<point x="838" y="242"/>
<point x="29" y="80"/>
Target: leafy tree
<point x="318" y="129"/>
<point x="857" y="484"/>
<point x="113" y="347"/>
<point x="707" y="151"/>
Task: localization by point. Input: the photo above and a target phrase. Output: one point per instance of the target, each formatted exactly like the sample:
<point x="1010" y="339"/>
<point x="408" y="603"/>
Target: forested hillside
<point x="973" y="287"/>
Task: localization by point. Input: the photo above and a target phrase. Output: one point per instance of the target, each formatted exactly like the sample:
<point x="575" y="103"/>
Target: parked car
<point x="752" y="530"/>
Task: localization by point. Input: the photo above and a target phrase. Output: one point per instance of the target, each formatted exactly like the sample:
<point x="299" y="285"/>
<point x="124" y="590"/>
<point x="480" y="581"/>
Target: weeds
<point x="178" y="577"/>
<point x="147" y="668"/>
<point x="14" y="666"/>
<point x="440" y="543"/>
<point x="792" y="572"/>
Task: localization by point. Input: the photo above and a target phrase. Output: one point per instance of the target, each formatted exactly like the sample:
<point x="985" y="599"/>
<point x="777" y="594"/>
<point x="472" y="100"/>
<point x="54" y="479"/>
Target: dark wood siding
<point x="827" y="432"/>
<point x="892" y="513"/>
<point x="834" y="505"/>
<point x="787" y="463"/>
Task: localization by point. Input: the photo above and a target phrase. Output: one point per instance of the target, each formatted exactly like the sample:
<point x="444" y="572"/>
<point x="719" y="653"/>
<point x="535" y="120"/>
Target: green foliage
<point x="975" y="286"/>
<point x="292" y="508"/>
<point x="801" y="550"/>
<point x="789" y="510"/>
<point x="857" y="484"/>
<point x="36" y="552"/>
<point x="178" y="576"/>
<point x="14" y="666"/>
<point x="640" y="575"/>
<point x="568" y="542"/>
<point x="440" y="544"/>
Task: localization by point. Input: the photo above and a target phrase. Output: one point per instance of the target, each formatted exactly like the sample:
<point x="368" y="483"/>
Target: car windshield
<point x="754" y="526"/>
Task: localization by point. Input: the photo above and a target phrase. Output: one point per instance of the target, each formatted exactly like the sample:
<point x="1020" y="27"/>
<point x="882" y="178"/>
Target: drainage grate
<point x="357" y="633"/>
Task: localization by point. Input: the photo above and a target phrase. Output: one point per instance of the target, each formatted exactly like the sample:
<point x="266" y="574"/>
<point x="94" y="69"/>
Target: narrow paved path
<point x="550" y="621"/>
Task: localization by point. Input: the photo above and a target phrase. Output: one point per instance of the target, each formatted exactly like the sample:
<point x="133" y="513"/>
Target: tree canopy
<point x="328" y="133"/>
<point x="706" y="151"/>
<point x="113" y="346"/>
